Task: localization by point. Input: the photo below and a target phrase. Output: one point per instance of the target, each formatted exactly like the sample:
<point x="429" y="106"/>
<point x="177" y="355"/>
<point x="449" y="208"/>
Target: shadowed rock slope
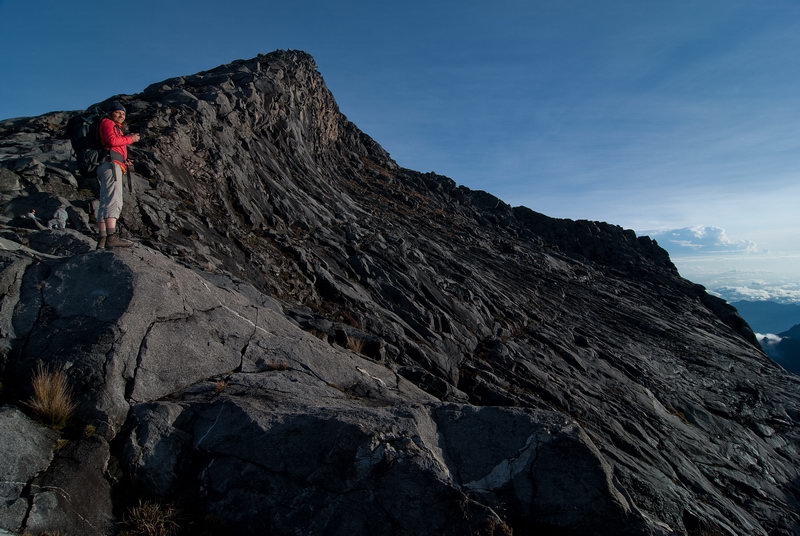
<point x="310" y="339"/>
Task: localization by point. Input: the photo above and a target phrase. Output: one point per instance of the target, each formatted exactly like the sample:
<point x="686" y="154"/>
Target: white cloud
<point x="732" y="268"/>
<point x="701" y="240"/>
<point x="769" y="343"/>
<point x="758" y="292"/>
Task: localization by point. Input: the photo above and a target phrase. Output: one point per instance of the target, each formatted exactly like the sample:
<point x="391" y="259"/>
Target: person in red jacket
<point x="110" y="174"/>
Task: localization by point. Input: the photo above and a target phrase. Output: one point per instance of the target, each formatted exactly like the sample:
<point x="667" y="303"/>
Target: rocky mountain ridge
<point x="310" y="339"/>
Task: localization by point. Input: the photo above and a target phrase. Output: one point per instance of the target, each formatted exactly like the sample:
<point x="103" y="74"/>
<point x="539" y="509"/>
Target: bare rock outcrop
<point x="308" y="338"/>
<point x="26" y="450"/>
<point x="219" y="400"/>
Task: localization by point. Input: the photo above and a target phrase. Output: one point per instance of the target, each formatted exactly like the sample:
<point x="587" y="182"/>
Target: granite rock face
<point x="309" y="339"/>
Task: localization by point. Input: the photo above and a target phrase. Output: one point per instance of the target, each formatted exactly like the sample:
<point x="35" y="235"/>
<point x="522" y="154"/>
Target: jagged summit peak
<point x="276" y="61"/>
<point x="278" y="99"/>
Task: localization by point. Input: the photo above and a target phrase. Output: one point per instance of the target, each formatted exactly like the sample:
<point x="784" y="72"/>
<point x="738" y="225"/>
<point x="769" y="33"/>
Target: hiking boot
<point x="114" y="241"/>
<point x="101" y="242"/>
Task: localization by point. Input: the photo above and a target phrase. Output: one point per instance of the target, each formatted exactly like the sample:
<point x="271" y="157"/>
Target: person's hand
<point x="136" y="137"/>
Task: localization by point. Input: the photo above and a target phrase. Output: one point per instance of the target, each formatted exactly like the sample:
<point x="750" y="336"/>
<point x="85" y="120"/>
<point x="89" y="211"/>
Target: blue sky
<point x="662" y="117"/>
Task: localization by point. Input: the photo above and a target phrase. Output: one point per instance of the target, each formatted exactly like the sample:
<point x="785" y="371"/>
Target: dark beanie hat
<point x="113" y="106"/>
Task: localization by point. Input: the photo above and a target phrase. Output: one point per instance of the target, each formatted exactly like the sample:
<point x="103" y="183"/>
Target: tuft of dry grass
<point x="679" y="414"/>
<point x="52" y="396"/>
<point x="322" y="335"/>
<point x="279" y="365"/>
<point x="151" y="519"/>
<point x="220" y="386"/>
<point x="356" y="345"/>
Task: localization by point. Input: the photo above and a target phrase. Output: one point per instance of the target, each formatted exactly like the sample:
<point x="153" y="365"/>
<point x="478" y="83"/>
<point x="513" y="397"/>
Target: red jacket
<point x="112" y="138"/>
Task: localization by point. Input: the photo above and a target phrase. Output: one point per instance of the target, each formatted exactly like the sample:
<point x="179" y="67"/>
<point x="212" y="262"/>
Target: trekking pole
<point x="128" y="166"/>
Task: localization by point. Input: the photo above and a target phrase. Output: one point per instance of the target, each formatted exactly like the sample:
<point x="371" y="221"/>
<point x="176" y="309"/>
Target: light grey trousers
<point x="109" y="175"/>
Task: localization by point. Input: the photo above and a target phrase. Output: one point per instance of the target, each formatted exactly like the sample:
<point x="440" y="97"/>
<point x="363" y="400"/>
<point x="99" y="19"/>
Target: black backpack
<point x="83" y="131"/>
